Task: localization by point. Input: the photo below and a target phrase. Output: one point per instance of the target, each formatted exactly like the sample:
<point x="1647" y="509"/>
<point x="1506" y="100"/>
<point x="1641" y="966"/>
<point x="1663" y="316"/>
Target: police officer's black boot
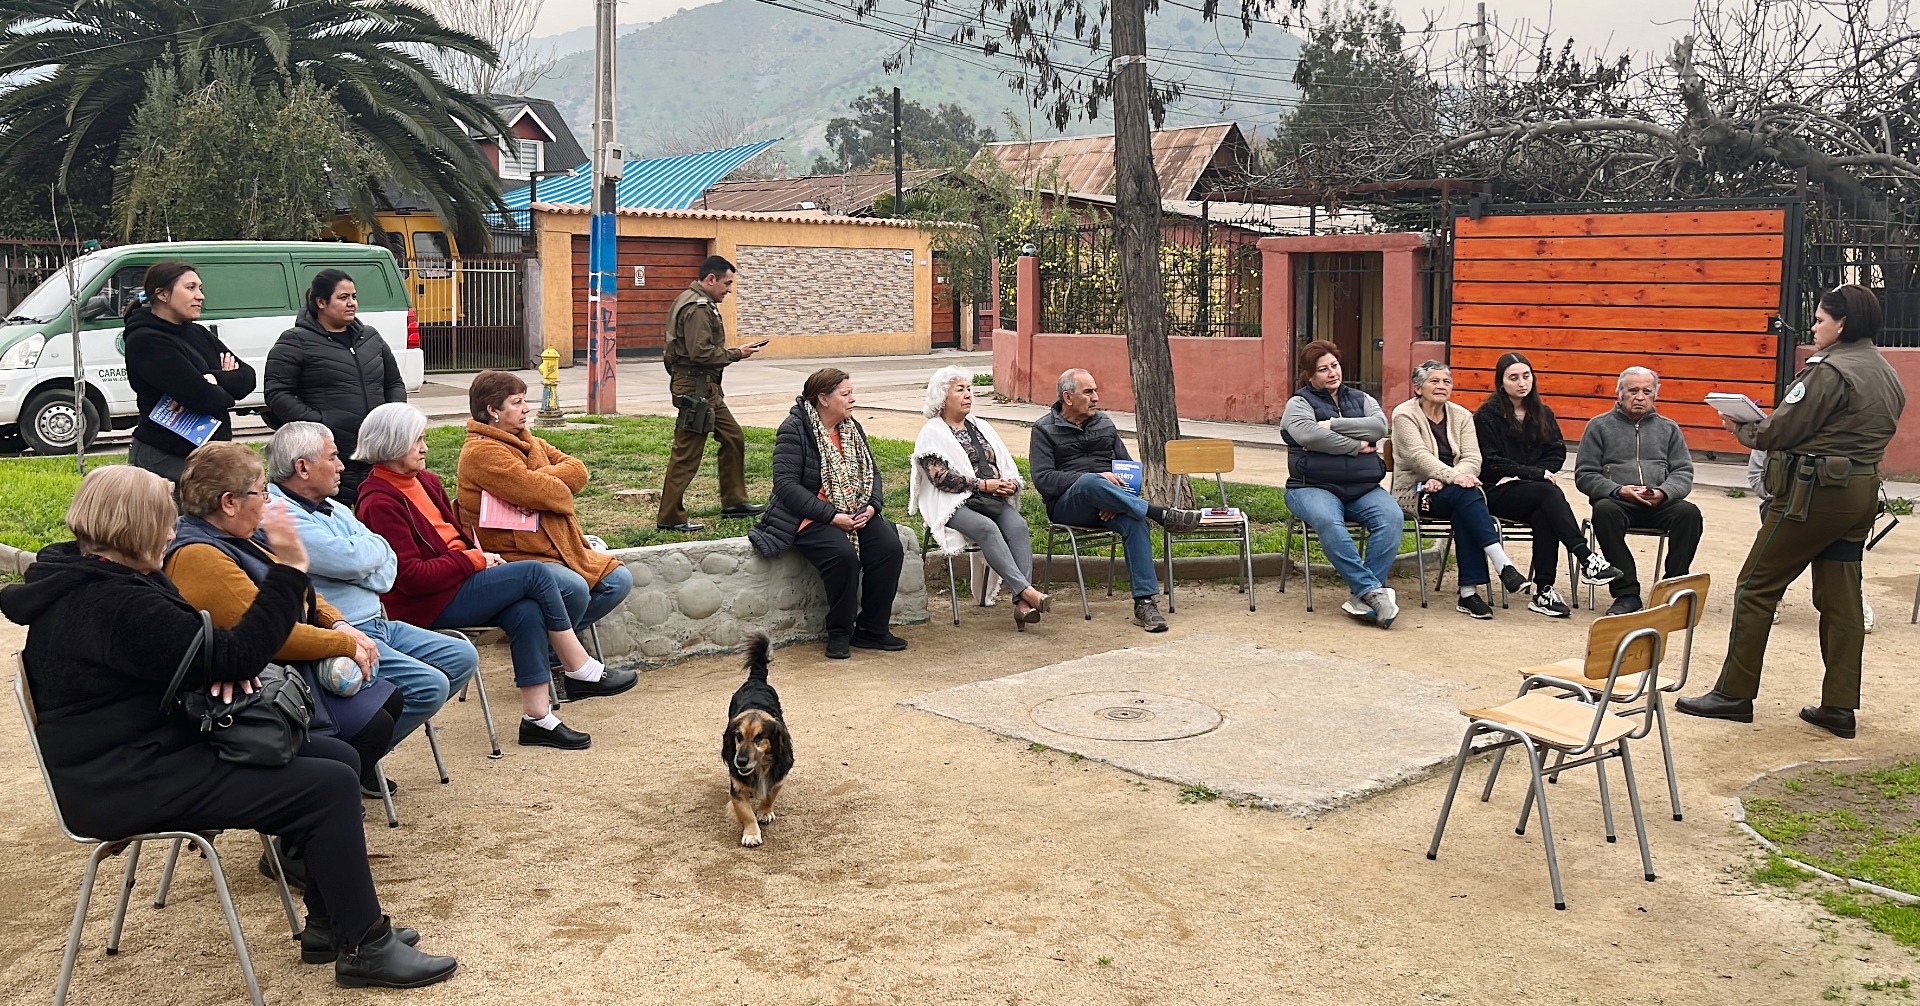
<point x="1715" y="706"/>
<point x="1832" y="719"/>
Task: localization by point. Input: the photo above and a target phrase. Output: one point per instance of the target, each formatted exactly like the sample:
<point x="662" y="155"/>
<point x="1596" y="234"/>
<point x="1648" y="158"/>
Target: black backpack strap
<point x="202" y="646"/>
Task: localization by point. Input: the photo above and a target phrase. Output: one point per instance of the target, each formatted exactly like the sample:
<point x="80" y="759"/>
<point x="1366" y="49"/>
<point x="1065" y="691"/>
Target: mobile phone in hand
<point x="762" y="344"/>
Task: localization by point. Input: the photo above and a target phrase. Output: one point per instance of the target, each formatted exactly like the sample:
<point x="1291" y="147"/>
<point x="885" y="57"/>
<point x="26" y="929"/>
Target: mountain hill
<point x="742" y="70"/>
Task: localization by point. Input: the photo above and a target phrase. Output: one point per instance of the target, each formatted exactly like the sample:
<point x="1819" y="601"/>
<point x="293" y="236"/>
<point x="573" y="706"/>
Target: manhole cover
<point x="1125" y="716"/>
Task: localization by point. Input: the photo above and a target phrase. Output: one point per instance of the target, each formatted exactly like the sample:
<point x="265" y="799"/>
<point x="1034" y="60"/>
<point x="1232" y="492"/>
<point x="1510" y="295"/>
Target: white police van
<point x="253" y="289"/>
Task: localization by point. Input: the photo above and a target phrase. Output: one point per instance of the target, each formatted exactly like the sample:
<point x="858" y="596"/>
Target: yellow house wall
<point x="724" y="237"/>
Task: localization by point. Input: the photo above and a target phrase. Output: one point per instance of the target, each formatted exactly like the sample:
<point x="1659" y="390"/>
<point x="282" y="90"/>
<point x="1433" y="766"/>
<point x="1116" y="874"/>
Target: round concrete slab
<point x="1125" y="716"/>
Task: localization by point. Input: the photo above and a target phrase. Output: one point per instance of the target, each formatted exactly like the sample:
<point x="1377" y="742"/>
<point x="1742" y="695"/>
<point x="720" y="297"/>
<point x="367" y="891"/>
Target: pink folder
<point x="500" y="515"/>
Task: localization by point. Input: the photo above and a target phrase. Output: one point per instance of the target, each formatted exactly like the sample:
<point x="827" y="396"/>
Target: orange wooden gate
<point x="1690" y="294"/>
<point x="652" y="272"/>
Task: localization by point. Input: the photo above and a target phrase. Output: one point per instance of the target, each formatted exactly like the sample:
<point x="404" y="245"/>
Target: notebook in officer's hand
<point x="1738" y="408"/>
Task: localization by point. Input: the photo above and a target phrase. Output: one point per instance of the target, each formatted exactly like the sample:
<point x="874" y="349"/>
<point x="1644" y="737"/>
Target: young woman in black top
<point x="1522" y="452"/>
<point x="169" y="354"/>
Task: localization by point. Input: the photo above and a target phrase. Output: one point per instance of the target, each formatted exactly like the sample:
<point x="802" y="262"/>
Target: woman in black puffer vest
<point x="332" y="369"/>
<point x="170" y="356"/>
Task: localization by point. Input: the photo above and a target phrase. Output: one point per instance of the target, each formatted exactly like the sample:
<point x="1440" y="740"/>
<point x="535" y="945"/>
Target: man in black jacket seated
<point x="1071" y="455"/>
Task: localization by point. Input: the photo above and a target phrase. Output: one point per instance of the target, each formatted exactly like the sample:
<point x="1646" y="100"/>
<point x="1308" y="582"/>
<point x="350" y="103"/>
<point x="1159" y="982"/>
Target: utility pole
<point x="1137" y="217"/>
<point x="603" y="238"/>
<point x="1481" y="44"/>
<point x="899" y="171"/>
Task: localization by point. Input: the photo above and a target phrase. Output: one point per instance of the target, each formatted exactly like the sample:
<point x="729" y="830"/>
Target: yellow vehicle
<point x="426" y="257"/>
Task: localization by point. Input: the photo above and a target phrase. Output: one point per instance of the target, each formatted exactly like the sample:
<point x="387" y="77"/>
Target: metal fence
<point x="1882" y="255"/>
<point x="1210" y="274"/>
<point x="472" y="311"/>
<point x="24" y="265"/>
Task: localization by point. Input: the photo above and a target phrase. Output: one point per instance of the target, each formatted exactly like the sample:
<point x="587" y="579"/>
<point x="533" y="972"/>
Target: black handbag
<point x="264" y="728"/>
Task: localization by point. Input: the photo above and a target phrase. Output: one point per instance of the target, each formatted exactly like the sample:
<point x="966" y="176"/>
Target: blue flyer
<point x="1130" y="471"/>
<point x="192" y="426"/>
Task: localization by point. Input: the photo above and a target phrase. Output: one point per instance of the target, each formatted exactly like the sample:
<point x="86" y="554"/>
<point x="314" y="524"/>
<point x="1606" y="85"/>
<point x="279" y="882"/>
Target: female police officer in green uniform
<point x="1824" y="445"/>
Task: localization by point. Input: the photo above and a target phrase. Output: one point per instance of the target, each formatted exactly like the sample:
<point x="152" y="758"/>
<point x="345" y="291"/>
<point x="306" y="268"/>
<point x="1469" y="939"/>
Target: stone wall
<point x="825" y="291"/>
<point x="706" y="597"/>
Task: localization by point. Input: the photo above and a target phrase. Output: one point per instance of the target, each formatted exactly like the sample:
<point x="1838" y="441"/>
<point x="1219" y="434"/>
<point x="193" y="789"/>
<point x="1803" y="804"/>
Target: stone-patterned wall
<point x="786" y="290"/>
<point x="706" y="597"/>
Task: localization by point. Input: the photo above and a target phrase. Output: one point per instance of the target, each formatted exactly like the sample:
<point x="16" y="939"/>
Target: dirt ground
<point x="921" y="860"/>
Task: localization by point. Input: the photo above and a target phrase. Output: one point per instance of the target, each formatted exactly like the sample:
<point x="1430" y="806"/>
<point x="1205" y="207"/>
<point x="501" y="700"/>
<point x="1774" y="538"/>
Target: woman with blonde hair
<point x="967" y="488"/>
<point x="105" y="633"/>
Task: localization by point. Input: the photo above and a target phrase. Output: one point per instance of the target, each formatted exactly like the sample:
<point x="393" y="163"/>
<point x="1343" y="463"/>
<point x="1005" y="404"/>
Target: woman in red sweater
<point x="445" y="581"/>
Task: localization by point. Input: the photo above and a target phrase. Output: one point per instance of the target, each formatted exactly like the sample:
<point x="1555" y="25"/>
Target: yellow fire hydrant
<point x="550" y="414"/>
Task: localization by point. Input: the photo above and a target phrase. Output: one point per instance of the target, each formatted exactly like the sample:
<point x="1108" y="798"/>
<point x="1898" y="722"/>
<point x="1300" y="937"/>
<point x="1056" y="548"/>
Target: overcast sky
<point x="1615" y="25"/>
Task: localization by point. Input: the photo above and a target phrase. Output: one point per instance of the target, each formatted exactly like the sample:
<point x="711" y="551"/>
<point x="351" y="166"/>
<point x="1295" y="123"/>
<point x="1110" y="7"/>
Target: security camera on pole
<point x="602" y="240"/>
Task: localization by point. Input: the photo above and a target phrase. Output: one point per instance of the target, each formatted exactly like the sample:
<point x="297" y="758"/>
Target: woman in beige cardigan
<point x="1436" y="476"/>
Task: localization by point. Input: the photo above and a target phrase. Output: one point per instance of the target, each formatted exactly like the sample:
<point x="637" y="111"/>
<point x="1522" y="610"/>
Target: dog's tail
<point x="757" y="658"/>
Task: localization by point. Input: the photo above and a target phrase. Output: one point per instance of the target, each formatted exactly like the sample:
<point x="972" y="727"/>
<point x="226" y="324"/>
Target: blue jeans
<point x="520" y="597"/>
<point x="1376" y="511"/>
<point x="587" y="606"/>
<point x="1473" y="528"/>
<point x="425" y="667"/>
<point x="1081" y="505"/>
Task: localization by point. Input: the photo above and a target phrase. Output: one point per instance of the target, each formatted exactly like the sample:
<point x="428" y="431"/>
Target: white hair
<point x="1620" y="388"/>
<point x="301" y="441"/>
<point x="1428" y="369"/>
<point x="1069" y="381"/>
<point x="942" y="382"/>
<point x="389" y="432"/>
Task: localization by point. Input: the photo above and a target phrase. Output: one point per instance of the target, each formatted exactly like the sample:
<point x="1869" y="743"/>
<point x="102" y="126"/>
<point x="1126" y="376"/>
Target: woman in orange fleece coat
<point x="536" y="482"/>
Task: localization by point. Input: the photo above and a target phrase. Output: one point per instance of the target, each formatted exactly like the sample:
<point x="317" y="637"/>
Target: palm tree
<point x="72" y="73"/>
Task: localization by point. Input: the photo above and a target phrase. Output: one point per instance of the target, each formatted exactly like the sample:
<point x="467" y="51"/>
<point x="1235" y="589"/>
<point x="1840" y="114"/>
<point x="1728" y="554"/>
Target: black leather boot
<point x="316" y="941"/>
<point x="1832" y="719"/>
<point x="379" y="959"/>
<point x="1715" y="706"/>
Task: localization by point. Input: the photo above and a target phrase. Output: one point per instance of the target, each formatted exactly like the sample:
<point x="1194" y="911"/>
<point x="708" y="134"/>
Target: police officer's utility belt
<point x="696" y="410"/>
<point x="1793" y="477"/>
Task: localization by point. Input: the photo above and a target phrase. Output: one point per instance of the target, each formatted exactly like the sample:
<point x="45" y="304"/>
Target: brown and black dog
<point x="757" y="749"/>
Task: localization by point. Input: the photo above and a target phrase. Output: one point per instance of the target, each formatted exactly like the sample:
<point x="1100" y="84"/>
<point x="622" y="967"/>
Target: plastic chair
<point x="1577" y="721"/>
<point x="131" y="845"/>
<point x="1198" y="457"/>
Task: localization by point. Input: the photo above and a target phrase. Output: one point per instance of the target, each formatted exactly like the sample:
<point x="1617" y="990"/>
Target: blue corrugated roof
<point x="663" y="183"/>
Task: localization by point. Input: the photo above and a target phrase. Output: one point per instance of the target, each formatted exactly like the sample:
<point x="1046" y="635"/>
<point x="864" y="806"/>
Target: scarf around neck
<point x="846" y="473"/>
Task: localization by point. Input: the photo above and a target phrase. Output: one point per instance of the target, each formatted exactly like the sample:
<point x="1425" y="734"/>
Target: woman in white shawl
<point x="966" y="488"/>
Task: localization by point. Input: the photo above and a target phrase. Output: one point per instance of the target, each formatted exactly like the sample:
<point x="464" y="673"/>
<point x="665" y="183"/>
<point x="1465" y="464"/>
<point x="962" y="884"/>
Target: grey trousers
<point x="1006" y="543"/>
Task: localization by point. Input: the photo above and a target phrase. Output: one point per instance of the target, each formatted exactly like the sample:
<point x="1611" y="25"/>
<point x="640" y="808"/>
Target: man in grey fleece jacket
<point x="1635" y="468"/>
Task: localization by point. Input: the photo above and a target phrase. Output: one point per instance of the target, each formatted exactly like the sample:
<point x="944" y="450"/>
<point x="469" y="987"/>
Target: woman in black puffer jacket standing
<point x="169" y="355"/>
<point x="332" y="369"/>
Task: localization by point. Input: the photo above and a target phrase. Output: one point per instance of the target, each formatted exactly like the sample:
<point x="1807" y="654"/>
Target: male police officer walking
<point x="696" y="354"/>
<point x="1824" y="445"/>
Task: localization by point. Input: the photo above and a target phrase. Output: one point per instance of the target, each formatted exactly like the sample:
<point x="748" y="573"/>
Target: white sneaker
<point x="1866" y="614"/>
<point x="1596" y="570"/>
<point x="1385" y="604"/>
<point x="1547" y="602"/>
<point x="1358" y="609"/>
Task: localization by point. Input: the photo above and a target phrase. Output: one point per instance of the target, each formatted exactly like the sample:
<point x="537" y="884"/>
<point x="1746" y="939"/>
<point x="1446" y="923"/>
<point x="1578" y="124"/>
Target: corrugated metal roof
<point x="854" y="192"/>
<point x="1085" y="163"/>
<point x="814" y="217"/>
<point x="668" y="183"/>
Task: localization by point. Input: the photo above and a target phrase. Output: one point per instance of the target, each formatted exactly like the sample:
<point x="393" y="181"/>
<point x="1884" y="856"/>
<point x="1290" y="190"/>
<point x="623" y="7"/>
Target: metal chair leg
<point x="1606" y="800"/>
<point x="1666" y="753"/>
<point x="1080" y="576"/>
<point x="433" y="745"/>
<point x="280" y="879"/>
<point x="1166" y="555"/>
<point x="126" y="895"/>
<point x="79" y="923"/>
<point x="386" y="795"/>
<point x="1420" y="561"/>
<point x="1546" y="828"/>
<point x="1286" y="561"/>
<point x="1639" y="821"/>
<point x="1246" y="558"/>
<point x="953" y="590"/>
<point x="1493" y="774"/>
<point x="593" y="636"/>
<point x="1049" y="574"/>
<point x="233" y="920"/>
<point x="1113" y="549"/>
<point x="1453" y="786"/>
<point x="486" y="713"/>
<point x="166" y="875"/>
<point x="1306" y="562"/>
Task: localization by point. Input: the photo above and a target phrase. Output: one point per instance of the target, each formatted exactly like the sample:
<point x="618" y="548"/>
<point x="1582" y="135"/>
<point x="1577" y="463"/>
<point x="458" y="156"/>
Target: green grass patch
<point x="1777" y="872"/>
<point x="34" y="495"/>
<point x="1198" y="792"/>
<point x="1862" y="823"/>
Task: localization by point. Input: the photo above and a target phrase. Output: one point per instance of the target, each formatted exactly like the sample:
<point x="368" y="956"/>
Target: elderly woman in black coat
<point x="105" y="634"/>
<point x="826" y="503"/>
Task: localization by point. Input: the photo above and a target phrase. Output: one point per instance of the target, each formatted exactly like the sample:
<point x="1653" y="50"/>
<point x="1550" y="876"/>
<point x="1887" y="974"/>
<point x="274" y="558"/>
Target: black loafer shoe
<point x="837" y="648"/>
<point x="1832" y="719"/>
<point x="612" y="682"/>
<point x="1625" y="605"/>
<point x="743" y="510"/>
<point x="886" y="642"/>
<point x="316" y="941"/>
<point x="1715" y="706"/>
<point x="382" y="961"/>
<point x="684" y="527"/>
<point x="561" y="736"/>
